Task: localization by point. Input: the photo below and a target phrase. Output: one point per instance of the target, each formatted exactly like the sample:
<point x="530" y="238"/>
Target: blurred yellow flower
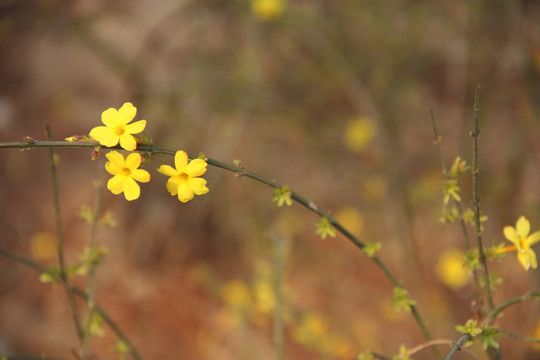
<point x="116" y="129"/>
<point x="310" y="330"/>
<point x="535" y="333"/>
<point x="450" y="269"/>
<point x="184" y="181"/>
<point x="352" y="219"/>
<point x="236" y="294"/>
<point x="522" y="241"/>
<point x="265" y="299"/>
<point x="125" y="172"/>
<point x="267" y="10"/>
<point x="43" y="245"/>
<point x="359" y="133"/>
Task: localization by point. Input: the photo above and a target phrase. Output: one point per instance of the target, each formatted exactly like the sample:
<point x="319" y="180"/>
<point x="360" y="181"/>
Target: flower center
<point x="119" y="130"/>
<point x="183" y="176"/>
<point x="126" y="172"/>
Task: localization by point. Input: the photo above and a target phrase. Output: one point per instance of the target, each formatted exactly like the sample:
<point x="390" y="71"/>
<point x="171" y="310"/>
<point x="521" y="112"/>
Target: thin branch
<point x="59" y="242"/>
<point x="463" y="225"/>
<point x="534" y="295"/>
<point x="80" y="293"/>
<point x="476" y="200"/>
<point x="91" y="264"/>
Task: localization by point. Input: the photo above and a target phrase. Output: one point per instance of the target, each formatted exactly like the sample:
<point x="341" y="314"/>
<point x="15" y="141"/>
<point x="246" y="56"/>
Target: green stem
<point x="476" y="200"/>
<point x="91" y="264"/>
<point x="533" y="295"/>
<point x="457" y="346"/>
<point x="463" y="225"/>
<point x="32" y="143"/>
<point x="79" y="293"/>
<point x="59" y="242"/>
<point x="279" y="263"/>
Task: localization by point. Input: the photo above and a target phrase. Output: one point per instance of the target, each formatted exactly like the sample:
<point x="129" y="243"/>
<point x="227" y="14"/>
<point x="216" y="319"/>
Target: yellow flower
<point x="184" y="180"/>
<point x="359" y="134"/>
<point x="522" y="241"/>
<point x="450" y="269"/>
<point x="267" y="9"/>
<point x="125" y="173"/>
<point x="116" y="129"/>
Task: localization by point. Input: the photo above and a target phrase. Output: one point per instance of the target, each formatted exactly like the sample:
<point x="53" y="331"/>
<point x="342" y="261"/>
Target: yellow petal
<point x="133" y="161"/>
<point x="196" y="167"/>
<point x="523" y="227"/>
<point x="198" y="186"/>
<point x="127" y="141"/>
<point x="116" y="158"/>
<point x="172" y="187"/>
<point x="167" y="170"/>
<point x="116" y="184"/>
<point x="140" y="175"/>
<point x="104" y="135"/>
<point x="113" y="168"/>
<point x="180" y="160"/>
<point x="533" y="238"/>
<point x="132" y="190"/>
<point x="524" y="259"/>
<point x="511" y="234"/>
<point x="110" y="117"/>
<point x="532" y="257"/>
<point x="136" y="127"/>
<point x="126" y="113"/>
<point x="184" y="193"/>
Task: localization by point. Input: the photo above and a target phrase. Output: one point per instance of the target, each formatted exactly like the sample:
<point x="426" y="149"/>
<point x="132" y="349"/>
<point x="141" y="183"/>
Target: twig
<point x="91" y="265"/>
<point x="81" y="294"/>
<point x="476" y="200"/>
<point x="59" y="242"/>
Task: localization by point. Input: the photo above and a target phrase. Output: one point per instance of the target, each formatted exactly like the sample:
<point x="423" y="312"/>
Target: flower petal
<point x="140" y="175"/>
<point x="113" y="168"/>
<point x="127" y="141"/>
<point x="116" y="184"/>
<point x="167" y="170"/>
<point x="525" y="259"/>
<point x="196" y="167"/>
<point x="126" y="113"/>
<point x="523" y="227"/>
<point x="533" y="238"/>
<point x="185" y="193"/>
<point x="180" y="160"/>
<point x="104" y="135"/>
<point x="132" y="190"/>
<point x="198" y="186"/>
<point x="110" y="117"/>
<point x="532" y="257"/>
<point x="136" y="127"/>
<point x="511" y="234"/>
<point x="116" y="159"/>
<point x="172" y="187"/>
<point x="133" y="161"/>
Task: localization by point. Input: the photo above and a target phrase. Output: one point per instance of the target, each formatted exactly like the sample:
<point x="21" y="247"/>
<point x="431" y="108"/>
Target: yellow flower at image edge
<point x="126" y="173"/>
<point x="184" y="181"/>
<point x="117" y="128"/>
<point x="267" y="9"/>
<point x="522" y="241"/>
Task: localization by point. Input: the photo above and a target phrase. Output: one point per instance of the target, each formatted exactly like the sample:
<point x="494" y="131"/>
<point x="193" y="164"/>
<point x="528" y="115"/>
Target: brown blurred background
<point x="332" y="98"/>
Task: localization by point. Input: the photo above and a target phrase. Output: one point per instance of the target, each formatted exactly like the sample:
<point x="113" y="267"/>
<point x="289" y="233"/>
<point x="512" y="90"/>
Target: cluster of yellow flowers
<point x="184" y="180"/>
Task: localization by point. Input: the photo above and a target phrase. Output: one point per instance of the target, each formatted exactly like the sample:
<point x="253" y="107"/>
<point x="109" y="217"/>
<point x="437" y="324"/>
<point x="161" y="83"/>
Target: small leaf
<point x="325" y="228"/>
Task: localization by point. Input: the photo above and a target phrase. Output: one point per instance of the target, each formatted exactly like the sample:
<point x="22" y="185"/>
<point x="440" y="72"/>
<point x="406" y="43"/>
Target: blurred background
<point x="332" y="98"/>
